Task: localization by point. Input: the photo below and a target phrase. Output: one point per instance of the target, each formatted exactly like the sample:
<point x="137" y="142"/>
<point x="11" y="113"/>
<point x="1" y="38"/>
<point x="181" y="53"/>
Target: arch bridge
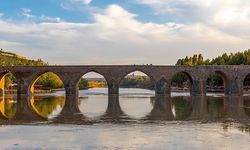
<point x="233" y="77"/>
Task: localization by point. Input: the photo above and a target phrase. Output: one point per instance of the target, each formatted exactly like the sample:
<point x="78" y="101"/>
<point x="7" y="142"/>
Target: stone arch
<point x="162" y="87"/>
<point x="245" y="83"/>
<point x="37" y="103"/>
<point x="223" y="76"/>
<point x="123" y="75"/>
<point x="36" y="76"/>
<point x="187" y="74"/>
<point x="2" y="80"/>
<point x="93" y="100"/>
<point x="94" y="71"/>
<point x="128" y="93"/>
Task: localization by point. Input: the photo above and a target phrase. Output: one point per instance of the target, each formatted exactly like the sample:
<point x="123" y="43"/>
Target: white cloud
<point x="230" y="16"/>
<point x="86" y="2"/>
<point x="76" y="4"/>
<point x="117" y="37"/>
<point x="44" y="18"/>
<point x="1" y="15"/>
<point x="26" y="13"/>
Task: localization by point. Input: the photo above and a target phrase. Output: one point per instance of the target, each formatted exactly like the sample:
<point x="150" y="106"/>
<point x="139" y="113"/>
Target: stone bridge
<point x="233" y="77"/>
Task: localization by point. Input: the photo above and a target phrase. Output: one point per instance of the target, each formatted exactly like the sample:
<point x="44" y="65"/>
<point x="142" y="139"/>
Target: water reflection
<point x="181" y="107"/>
<point x="215" y="107"/>
<point x="8" y="106"/>
<point x="247" y="105"/>
<point x="98" y="107"/>
<point x="47" y="106"/>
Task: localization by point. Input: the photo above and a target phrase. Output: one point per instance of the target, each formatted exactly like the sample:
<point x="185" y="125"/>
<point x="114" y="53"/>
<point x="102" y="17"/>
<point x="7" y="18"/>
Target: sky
<point x="82" y="32"/>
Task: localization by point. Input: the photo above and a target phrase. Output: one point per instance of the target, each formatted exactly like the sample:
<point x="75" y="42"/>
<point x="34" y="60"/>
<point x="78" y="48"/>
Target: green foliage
<point x="47" y="105"/>
<point x="49" y="81"/>
<point x="11" y="59"/>
<point x="239" y="58"/>
<point x="83" y="84"/>
<point x="215" y="80"/>
<point x="179" y="79"/>
<point x="137" y="81"/>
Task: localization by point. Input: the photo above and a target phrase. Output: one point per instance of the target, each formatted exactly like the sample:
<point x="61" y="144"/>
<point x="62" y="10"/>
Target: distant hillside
<point x="12" y="59"/>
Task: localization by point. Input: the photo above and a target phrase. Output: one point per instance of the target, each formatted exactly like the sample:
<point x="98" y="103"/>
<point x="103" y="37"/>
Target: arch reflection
<point x="47" y="106"/>
<point x="247" y="106"/>
<point x="181" y="107"/>
<point x="215" y="107"/>
<point x="8" y="106"/>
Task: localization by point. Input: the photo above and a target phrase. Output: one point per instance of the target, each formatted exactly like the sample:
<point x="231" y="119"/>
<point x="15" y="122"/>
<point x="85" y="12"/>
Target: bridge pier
<point x="114" y="107"/>
<point x="198" y="88"/>
<point x="162" y="88"/>
<point x="71" y="99"/>
<point x="23" y="90"/>
<point x="234" y="88"/>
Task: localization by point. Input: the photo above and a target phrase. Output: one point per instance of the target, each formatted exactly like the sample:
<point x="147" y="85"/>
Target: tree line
<point x="238" y="58"/>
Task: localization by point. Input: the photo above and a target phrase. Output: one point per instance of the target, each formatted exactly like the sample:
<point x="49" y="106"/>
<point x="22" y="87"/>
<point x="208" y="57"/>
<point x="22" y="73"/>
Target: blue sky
<point x="123" y="31"/>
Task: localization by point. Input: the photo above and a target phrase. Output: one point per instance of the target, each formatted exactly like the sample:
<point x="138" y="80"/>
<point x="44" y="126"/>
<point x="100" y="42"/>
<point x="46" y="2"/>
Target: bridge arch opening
<point x="215" y="83"/>
<point x="246" y="85"/>
<point x="136" y="90"/>
<point x="8" y="98"/>
<point x="93" y="94"/>
<point x="181" y="83"/>
<point x="48" y="95"/>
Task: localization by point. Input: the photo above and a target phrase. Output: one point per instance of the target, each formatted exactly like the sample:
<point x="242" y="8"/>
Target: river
<point x="185" y="122"/>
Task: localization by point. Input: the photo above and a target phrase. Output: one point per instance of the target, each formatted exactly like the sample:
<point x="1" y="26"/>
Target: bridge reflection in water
<point x="49" y="109"/>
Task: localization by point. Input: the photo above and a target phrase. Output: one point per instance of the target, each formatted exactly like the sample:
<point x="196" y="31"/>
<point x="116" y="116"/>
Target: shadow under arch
<point x="217" y="75"/>
<point x="182" y="81"/>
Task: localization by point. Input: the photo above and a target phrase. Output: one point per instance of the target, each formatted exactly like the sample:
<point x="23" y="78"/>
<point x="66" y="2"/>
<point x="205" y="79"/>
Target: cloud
<point x="76" y="4"/>
<point x="86" y="2"/>
<point x="231" y="16"/>
<point x="1" y="15"/>
<point x="116" y="36"/>
<point x="44" y="18"/>
<point x="26" y="13"/>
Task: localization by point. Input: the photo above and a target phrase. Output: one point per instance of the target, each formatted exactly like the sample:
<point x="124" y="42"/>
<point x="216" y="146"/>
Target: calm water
<point x="212" y="122"/>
